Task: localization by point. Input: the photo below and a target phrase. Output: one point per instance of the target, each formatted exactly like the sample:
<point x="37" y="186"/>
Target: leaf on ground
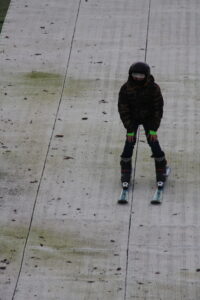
<point x="68" y="157"/>
<point x="59" y="135"/>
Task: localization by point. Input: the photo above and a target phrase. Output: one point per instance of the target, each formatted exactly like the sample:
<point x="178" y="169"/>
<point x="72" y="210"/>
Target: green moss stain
<point x="46" y="245"/>
<point x="67" y="249"/>
<point x="4" y="5"/>
<point x="43" y="85"/>
<point x="11" y="242"/>
<point x="63" y="241"/>
<point x="36" y="77"/>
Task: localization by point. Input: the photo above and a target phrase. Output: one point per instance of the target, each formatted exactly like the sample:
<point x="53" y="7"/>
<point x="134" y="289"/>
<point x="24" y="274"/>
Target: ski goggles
<point x="138" y="76"/>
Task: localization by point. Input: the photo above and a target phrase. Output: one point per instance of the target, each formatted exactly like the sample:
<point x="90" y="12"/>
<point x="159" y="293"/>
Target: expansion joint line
<point x="134" y="172"/>
<point x="46" y="156"/>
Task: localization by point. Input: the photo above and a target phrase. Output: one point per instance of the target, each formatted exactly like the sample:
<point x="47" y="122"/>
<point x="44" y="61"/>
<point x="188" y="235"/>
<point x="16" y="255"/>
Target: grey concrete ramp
<point x="164" y="241"/>
<point x="32" y="53"/>
<point x="62" y="234"/>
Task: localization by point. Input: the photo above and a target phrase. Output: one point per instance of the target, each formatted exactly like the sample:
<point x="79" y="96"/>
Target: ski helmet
<point x="140" y="68"/>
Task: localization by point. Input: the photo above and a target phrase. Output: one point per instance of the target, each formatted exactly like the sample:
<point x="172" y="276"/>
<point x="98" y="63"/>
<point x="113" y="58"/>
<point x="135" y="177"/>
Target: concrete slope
<point x="164" y="245"/>
<point x="33" y="49"/>
<point x="62" y="234"/>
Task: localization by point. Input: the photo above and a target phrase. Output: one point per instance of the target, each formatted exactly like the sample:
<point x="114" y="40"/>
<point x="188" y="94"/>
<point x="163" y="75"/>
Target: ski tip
<point x="156" y="202"/>
<point x="123" y="199"/>
<point x="122" y="202"/>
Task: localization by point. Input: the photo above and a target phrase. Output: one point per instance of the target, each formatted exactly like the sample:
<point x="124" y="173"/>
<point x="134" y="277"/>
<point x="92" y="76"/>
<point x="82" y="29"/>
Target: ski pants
<point x="154" y="145"/>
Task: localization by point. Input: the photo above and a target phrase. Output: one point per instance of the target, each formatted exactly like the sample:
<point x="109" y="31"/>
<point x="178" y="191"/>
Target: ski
<point x="158" y="195"/>
<point x="123" y="198"/>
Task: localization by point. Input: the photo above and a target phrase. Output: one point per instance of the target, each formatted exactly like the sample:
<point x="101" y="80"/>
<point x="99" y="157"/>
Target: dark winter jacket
<point x="140" y="105"/>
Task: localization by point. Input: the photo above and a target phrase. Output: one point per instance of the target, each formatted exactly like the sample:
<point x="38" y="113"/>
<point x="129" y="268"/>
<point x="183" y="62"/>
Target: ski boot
<point x="162" y="172"/>
<point x="161" y="169"/>
<point x="126" y="170"/>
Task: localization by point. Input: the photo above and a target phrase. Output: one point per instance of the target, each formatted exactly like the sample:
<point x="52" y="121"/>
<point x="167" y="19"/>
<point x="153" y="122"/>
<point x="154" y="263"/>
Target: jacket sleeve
<point x="124" y="109"/>
<point x="157" y="109"/>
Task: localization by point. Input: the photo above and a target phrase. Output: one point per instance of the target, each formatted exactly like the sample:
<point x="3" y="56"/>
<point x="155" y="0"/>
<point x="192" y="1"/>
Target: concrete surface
<point x="62" y="235"/>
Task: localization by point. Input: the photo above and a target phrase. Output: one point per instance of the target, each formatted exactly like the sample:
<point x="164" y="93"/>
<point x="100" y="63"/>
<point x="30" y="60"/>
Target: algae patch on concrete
<point x="11" y="242"/>
<point x="54" y="247"/>
<point x="43" y="76"/>
<point x="44" y="83"/>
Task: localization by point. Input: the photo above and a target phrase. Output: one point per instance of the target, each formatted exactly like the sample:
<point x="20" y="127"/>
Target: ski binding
<point x="123" y="199"/>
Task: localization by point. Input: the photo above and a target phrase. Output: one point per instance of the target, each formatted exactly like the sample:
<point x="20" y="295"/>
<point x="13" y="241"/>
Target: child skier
<point x="141" y="103"/>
